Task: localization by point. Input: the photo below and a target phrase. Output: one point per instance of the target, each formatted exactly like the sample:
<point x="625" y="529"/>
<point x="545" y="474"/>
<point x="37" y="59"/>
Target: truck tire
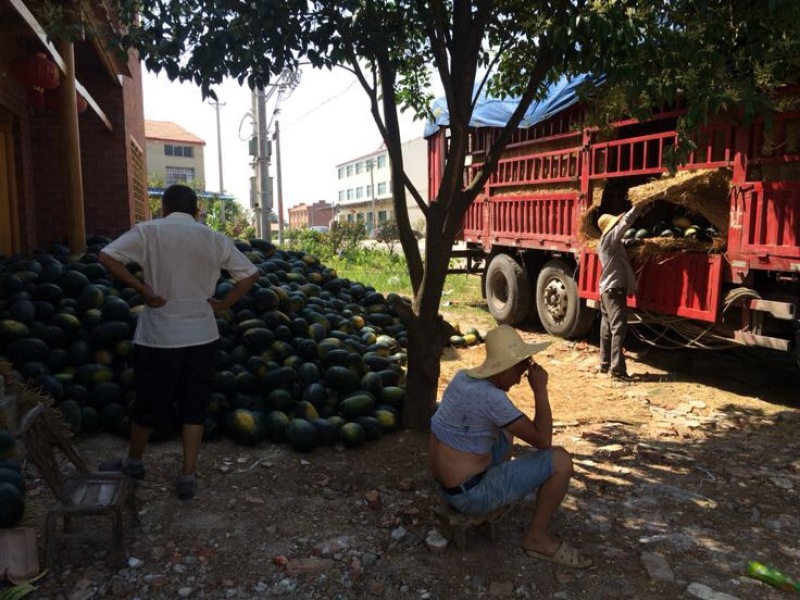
<point x="508" y="290"/>
<point x="561" y="311"/>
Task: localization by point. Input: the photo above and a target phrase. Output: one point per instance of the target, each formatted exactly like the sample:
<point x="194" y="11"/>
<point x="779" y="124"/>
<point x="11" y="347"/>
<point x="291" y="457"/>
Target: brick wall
<point x="320" y="214"/>
<point x="42" y="184"/>
<point x="107" y="180"/>
<point x="298" y="217"/>
<point x="14" y="110"/>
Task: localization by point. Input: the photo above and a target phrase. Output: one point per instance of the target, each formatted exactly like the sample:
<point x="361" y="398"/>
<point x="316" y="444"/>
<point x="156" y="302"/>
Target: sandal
<point x="565" y="555"/>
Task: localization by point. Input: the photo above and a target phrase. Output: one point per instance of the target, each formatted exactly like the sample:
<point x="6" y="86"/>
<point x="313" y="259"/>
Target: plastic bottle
<point x="772" y="576"/>
<point x="8" y="407"/>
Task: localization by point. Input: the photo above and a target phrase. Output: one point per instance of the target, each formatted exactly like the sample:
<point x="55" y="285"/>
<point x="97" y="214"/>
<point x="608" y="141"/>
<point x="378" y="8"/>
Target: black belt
<point x="464" y="486"/>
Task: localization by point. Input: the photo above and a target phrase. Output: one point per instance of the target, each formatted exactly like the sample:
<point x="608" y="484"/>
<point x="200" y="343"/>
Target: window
<point x="359" y="192"/>
<point x="368" y="190"/>
<point x="342" y="195"/>
<point x="382" y="161"/>
<point x="359" y="167"/>
<point x="381" y="216"/>
<point x="349" y="218"/>
<point x="350" y="194"/>
<point x="172" y="150"/>
<point x="179" y="175"/>
<point x="369" y="217"/>
<point x="381" y="188"/>
<point x="360" y="217"/>
<point x="341" y="172"/>
<point x="349" y="170"/>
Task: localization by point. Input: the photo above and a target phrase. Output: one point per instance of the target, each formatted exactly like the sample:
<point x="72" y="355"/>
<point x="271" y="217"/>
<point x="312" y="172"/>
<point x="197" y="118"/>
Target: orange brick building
<point x="72" y="158"/>
<point x="318" y="214"/>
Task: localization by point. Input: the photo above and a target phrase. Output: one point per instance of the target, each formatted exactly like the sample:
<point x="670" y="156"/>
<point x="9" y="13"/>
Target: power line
<point x="318" y="106"/>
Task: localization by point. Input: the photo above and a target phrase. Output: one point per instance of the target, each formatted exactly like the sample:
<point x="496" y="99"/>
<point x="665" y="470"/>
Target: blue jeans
<point x="505" y="481"/>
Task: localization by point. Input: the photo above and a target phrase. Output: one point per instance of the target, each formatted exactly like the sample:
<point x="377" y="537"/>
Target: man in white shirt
<point x="175" y="343"/>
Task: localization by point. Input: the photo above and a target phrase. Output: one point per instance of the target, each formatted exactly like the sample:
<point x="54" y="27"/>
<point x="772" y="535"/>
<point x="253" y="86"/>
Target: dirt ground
<point x="680" y="478"/>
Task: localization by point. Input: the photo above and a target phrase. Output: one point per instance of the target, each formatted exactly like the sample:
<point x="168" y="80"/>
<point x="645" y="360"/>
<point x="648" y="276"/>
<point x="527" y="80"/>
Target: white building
<point x="365" y="187"/>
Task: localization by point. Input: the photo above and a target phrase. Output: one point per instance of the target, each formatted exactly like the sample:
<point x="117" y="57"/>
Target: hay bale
<point x="704" y="192"/>
<point x="526" y="191"/>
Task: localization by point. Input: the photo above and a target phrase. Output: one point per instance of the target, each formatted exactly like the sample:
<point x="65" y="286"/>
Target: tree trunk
<point x="425" y="345"/>
<point x="428" y="334"/>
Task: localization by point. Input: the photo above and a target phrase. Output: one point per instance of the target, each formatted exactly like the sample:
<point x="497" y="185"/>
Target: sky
<point x="324" y="122"/>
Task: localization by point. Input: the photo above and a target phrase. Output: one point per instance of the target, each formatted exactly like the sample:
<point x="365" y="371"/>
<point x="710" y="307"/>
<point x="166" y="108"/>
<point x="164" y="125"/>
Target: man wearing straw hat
<point x="472" y="432"/>
<point x="617" y="280"/>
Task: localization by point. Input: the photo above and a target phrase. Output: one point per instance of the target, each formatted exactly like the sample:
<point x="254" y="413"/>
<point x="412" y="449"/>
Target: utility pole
<point x="261" y="198"/>
<point x="217" y="105"/>
<point x="253" y="149"/>
<point x="264" y="152"/>
<point x="277" y="138"/>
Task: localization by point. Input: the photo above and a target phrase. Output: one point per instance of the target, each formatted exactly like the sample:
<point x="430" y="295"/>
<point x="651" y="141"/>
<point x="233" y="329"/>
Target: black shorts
<point x="173" y="381"/>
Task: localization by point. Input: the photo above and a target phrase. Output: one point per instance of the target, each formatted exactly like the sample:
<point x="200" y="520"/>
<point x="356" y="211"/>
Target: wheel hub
<point x="555" y="299"/>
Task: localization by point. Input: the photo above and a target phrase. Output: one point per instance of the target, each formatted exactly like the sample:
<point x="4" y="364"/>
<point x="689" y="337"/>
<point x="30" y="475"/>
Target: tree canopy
<point x="713" y="54"/>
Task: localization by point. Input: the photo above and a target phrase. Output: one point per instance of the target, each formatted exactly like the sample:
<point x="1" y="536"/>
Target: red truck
<point x="532" y="231"/>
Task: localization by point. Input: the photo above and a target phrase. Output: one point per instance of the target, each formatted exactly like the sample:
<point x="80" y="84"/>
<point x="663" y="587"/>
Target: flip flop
<point x="565" y="555"/>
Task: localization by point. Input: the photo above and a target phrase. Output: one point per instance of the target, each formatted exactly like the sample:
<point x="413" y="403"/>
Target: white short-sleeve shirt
<point x="181" y="260"/>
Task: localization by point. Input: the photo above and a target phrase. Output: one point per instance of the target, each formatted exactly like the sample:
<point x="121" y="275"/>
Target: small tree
<point x="343" y="238"/>
<point x="388" y="233"/>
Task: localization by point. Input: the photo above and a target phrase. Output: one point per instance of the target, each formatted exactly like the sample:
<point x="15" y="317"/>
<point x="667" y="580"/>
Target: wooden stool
<point x="456" y="524"/>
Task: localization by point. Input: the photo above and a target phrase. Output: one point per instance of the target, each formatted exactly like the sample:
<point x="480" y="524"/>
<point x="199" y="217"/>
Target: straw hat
<point x="504" y="349"/>
<point x="606" y="222"/>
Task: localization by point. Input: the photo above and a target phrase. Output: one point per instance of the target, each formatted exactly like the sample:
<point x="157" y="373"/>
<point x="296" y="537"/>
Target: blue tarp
<point x="494" y="112"/>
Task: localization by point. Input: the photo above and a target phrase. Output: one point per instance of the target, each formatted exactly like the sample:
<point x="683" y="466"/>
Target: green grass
<point x="461" y="301"/>
<point x="461" y="295"/>
<point x="389" y="273"/>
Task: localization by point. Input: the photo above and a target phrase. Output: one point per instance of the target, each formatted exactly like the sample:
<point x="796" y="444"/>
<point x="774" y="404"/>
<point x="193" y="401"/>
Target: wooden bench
<point x="455" y="525"/>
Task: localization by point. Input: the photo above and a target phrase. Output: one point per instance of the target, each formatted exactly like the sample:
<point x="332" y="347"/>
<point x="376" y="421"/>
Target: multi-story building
<point x="71" y="131"/>
<point x="174" y="155"/>
<point x="364" y="190"/>
<point x="315" y="215"/>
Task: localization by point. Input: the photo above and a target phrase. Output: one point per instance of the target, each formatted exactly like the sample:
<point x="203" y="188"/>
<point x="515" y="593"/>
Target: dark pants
<point x="173" y="378"/>
<point x="613" y="325"/>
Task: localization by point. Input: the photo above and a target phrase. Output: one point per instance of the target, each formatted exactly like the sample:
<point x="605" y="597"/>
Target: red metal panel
<point x="550" y="217"/>
<point x="436" y="154"/>
<point x="644" y="155"/>
<point x="474" y="221"/>
<point x="686" y="284"/>
<point x="630" y="156"/>
<point x="770" y="222"/>
<point x="546" y="167"/>
<point x="683" y="283"/>
<point x="589" y="276"/>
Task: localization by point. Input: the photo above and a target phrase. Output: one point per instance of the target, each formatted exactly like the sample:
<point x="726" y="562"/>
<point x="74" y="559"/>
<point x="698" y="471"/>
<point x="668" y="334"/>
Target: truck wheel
<point x="561" y="311"/>
<point x="508" y="290"/>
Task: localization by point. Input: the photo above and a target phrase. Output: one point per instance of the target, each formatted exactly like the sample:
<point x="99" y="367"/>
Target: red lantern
<point x="52" y="101"/>
<point x="82" y="103"/>
<point x="37" y="73"/>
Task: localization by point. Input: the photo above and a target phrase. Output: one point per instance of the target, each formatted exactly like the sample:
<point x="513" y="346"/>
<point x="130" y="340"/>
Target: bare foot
<point x="544" y="545"/>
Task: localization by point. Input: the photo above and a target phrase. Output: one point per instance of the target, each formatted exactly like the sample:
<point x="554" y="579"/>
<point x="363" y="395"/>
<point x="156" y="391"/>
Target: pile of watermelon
<point x="306" y="357"/>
